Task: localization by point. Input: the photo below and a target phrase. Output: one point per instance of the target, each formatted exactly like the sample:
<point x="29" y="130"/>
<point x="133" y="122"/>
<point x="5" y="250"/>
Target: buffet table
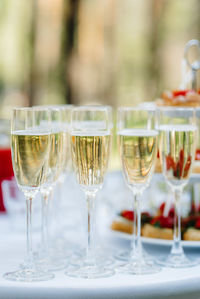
<point x="181" y="283"/>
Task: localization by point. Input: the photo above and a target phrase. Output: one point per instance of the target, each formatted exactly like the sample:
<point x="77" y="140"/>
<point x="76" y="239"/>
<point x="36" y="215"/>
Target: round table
<point x="173" y="283"/>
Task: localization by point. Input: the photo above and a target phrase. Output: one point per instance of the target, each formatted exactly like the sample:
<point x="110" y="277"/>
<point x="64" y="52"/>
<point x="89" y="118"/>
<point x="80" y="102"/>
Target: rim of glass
<point x="90" y="108"/>
<point x="174" y="108"/>
<point x="66" y="106"/>
<point x="22" y="108"/>
<point x="95" y="105"/>
<point x="129" y="108"/>
<point x="49" y="107"/>
<point x="61" y="107"/>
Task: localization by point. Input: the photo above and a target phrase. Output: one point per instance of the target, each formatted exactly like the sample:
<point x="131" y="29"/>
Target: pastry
<point x="158" y="226"/>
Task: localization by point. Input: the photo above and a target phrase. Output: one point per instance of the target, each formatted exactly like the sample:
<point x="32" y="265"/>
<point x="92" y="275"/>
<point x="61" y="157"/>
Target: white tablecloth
<point x="173" y="283"/>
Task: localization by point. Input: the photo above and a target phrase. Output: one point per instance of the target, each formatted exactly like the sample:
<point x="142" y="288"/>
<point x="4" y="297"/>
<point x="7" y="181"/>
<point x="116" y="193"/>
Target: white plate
<point x="162" y="242"/>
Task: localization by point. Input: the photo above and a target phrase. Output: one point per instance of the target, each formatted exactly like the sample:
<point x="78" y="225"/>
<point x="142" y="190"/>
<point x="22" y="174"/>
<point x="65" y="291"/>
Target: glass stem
<point x="58" y="207"/>
<point x="133" y="241"/>
<point x="138" y="244"/>
<point x="196" y="197"/>
<point x="29" y="245"/>
<point x="177" y="248"/>
<point x="44" y="229"/>
<point x="90" y="237"/>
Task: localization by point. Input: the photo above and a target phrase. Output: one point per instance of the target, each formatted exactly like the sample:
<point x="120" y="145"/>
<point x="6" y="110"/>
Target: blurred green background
<point x="87" y="51"/>
<point x="113" y="52"/>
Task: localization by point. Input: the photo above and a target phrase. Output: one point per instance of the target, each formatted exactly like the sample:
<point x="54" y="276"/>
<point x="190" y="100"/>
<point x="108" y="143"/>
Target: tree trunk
<point x="32" y="74"/>
<point x="70" y="23"/>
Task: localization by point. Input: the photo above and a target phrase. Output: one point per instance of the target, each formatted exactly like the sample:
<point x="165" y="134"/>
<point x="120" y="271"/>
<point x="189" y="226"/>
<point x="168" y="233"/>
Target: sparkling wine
<point x="90" y="154"/>
<point x="65" y="159"/>
<point x="30" y="157"/>
<point x="55" y="156"/>
<point x="177" y="152"/>
<point x="138" y="150"/>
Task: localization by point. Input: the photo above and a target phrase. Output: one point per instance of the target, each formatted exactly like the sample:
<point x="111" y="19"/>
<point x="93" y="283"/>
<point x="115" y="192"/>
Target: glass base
<point x="101" y="260"/>
<point x="139" y="267"/>
<point x="61" y="249"/>
<point x="51" y="264"/>
<point x="126" y="255"/>
<point x="177" y="261"/>
<point x="27" y="275"/>
<point x="52" y="261"/>
<point x="89" y="271"/>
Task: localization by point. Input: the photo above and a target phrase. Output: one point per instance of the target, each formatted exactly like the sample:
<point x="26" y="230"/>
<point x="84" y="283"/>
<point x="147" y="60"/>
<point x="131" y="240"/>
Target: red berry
<point x="197" y="155"/>
<point x="167" y="222"/>
<point x="128" y="215"/>
<point x="162" y="207"/>
<point x="177" y="93"/>
<point x="187" y="166"/>
<point x="194" y="209"/>
<point x="170" y="163"/>
<point x="146" y="214"/>
<point x="171" y="213"/>
<point x="161" y="221"/>
<point x="197" y="225"/>
<point x="156" y="221"/>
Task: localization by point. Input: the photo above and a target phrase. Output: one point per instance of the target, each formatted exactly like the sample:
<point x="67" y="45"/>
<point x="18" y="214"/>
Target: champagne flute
<point x="66" y="153"/>
<point x="30" y="145"/>
<point x="197" y="161"/>
<point x="47" y="259"/>
<point x="90" y="146"/>
<point x="102" y="253"/>
<point x="138" y="149"/>
<point x="59" y="202"/>
<point x="177" y="128"/>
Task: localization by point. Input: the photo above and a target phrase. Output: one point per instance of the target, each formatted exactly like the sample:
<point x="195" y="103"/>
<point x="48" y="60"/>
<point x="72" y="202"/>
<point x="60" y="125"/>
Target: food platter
<point x="159" y="242"/>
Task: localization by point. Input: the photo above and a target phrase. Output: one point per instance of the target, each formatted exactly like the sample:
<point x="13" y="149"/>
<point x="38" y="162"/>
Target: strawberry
<point x="181" y="155"/>
<point x="178" y="170"/>
<point x="177" y="93"/>
<point x="181" y="158"/>
<point x="197" y="224"/>
<point x="197" y="155"/>
<point x="167" y="222"/>
<point x="194" y="209"/>
<point x="164" y="222"/>
<point x="128" y="215"/>
<point x="145" y="216"/>
<point x="171" y="211"/>
<point x="190" y="221"/>
<point x="162" y="207"/>
<point x="156" y="221"/>
<point x="187" y="166"/>
<point x="170" y="162"/>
